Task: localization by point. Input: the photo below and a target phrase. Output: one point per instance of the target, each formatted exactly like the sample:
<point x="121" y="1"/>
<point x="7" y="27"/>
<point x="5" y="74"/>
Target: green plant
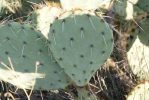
<point x="24" y="52"/>
<point x="80" y="44"/>
<point x="143" y="4"/>
<point x="74" y="41"/>
<point x="138" y="55"/>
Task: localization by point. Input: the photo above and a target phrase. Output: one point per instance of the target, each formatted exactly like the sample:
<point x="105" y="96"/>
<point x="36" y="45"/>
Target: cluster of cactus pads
<point x="138" y="55"/>
<point x="65" y="45"/>
<point x="77" y="45"/>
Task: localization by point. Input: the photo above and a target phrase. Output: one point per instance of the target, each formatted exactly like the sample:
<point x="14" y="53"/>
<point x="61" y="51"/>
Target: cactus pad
<point x="26" y="48"/>
<point x="143" y="4"/>
<point x="120" y="8"/>
<point x="124" y="8"/>
<point x="138" y="54"/>
<point x="140" y="92"/>
<point x="144" y="34"/>
<point x="80" y="44"/>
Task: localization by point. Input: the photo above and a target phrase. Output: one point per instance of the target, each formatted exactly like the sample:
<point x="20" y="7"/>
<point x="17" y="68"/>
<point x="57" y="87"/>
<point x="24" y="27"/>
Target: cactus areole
<point x="80" y="44"/>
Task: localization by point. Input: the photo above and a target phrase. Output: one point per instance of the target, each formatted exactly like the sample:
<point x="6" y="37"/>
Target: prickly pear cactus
<point x="24" y="51"/>
<point x="140" y="92"/>
<point x="80" y="44"/>
<point x="138" y="55"/>
<point x="143" y="4"/>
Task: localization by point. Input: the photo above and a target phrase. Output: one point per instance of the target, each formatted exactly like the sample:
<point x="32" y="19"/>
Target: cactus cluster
<point x="138" y="47"/>
<point x="138" y="54"/>
<point x="58" y="46"/>
<point x="77" y="45"/>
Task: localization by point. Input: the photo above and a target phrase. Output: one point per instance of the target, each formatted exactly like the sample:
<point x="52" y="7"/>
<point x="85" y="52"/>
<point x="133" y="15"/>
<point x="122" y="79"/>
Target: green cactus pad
<point x="138" y="54"/>
<point x="124" y="9"/>
<point x="81" y="44"/>
<point x="119" y="7"/>
<point x="25" y="46"/>
<point x="144" y="33"/>
<point x="143" y="4"/>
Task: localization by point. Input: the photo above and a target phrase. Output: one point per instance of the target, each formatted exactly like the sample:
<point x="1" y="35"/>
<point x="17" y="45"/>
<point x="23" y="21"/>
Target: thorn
<point x="54" y="38"/>
<point x="13" y="31"/>
<point x="138" y="25"/>
<point x="63" y="22"/>
<point x="82" y="32"/>
<point x="75" y="19"/>
<point x="104" y="38"/>
<point x="22" y="52"/>
<point x="92" y="23"/>
<point x="91" y="46"/>
<point x="71" y="41"/>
